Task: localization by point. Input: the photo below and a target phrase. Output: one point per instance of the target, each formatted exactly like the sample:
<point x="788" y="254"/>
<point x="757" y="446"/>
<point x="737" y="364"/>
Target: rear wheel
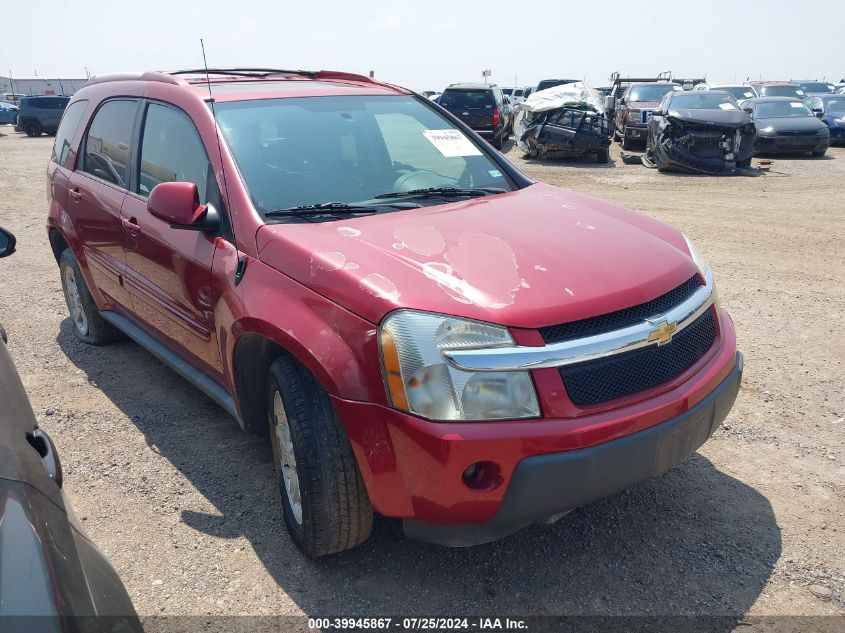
<point x="498" y="141"/>
<point x="88" y="325"/>
<point x="325" y="504"/>
<point x="32" y="128"/>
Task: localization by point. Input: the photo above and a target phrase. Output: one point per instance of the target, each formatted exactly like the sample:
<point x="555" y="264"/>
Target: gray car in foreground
<point x="52" y="577"/>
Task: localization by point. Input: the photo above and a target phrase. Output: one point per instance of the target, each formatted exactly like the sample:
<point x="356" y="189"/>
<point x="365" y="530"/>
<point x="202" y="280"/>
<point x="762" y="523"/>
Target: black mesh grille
<point x="621" y="318"/>
<point x="609" y="378"/>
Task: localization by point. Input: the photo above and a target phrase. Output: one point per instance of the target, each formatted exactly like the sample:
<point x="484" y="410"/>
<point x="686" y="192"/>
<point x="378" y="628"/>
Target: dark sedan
<point x="52" y="577"/>
<point x="787" y="126"/>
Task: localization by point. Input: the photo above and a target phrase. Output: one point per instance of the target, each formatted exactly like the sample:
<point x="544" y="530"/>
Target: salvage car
<point x="562" y="122"/>
<point x="787" y="126"/>
<point x="425" y="332"/>
<point x="832" y="109"/>
<point x="483" y="107"/>
<point x="703" y="132"/>
<point x="633" y="110"/>
<point x="52" y="576"/>
<point x="8" y="113"/>
<point x="545" y="84"/>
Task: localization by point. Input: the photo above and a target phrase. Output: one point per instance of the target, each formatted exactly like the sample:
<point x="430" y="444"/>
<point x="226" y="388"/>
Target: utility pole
<point x="11" y="81"/>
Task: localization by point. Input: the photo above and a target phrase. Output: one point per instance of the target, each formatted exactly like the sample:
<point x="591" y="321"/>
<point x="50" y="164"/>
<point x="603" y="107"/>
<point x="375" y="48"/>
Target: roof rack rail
<point x="247" y="72"/>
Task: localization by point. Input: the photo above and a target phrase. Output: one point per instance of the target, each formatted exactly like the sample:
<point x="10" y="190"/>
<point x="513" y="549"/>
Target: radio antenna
<point x="241" y="267"/>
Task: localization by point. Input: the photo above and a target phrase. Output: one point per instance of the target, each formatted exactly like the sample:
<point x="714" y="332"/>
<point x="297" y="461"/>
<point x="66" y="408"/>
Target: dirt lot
<point x="186" y="507"/>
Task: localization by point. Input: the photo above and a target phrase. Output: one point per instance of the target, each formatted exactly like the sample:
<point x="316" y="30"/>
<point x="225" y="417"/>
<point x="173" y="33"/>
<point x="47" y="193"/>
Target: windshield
<point x="704" y="101"/>
<point x="782" y="91"/>
<point x="551" y="83"/>
<point x="820" y="86"/>
<point x="468" y="99"/>
<point x="836" y="104"/>
<point x="738" y="92"/>
<point x="313" y="150"/>
<point x="651" y="92"/>
<point x="781" y="109"/>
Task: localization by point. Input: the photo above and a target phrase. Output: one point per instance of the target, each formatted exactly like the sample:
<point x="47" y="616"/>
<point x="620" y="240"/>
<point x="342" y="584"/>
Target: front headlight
<point x="420" y="380"/>
<point x="696" y="256"/>
<point x="767" y="131"/>
<point x="839" y="121"/>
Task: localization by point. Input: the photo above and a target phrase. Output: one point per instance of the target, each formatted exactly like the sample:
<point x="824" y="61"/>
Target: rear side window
<point x="107" y="142"/>
<point x="67" y="128"/>
<point x="171" y="150"/>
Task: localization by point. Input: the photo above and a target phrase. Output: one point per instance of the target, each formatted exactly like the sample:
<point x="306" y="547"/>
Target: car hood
<point x="791" y="124"/>
<point x="722" y="118"/>
<point x="529" y="258"/>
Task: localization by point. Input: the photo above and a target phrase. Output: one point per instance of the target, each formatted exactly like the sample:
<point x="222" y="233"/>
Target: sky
<point x="425" y="45"/>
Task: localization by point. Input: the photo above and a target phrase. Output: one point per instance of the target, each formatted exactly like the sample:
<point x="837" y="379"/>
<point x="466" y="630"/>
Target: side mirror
<point x="749" y="110"/>
<point x="7" y="243"/>
<point x="819" y="113"/>
<point x="177" y="203"/>
<point x="609" y="103"/>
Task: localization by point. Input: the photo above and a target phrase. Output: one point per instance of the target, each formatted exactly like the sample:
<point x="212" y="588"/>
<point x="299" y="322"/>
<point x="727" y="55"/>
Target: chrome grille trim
<point x="521" y="358"/>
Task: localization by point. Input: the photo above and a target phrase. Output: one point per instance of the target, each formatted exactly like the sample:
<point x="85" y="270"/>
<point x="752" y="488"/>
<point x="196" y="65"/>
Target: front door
<point x="169" y="270"/>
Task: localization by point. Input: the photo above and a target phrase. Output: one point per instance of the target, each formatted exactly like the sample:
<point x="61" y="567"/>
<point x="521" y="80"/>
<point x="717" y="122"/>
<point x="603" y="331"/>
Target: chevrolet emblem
<point x="662" y="332"/>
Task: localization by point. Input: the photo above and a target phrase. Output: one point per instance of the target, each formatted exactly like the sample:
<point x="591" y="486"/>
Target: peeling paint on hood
<point x="528" y="258"/>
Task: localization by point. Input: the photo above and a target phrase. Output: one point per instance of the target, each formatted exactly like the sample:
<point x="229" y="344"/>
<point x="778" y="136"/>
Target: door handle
<point x="131" y="226"/>
<point x="75" y="194"/>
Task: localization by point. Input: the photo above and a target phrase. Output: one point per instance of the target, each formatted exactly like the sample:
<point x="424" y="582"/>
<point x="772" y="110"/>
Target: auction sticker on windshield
<point x="451" y="143"/>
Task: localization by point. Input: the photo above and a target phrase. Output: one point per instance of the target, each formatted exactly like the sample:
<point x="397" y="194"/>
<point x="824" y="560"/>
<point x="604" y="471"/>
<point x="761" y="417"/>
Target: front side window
<point x="300" y="151"/>
<point x="67" y="128"/>
<point x="171" y="151"/>
<point x="106" y="144"/>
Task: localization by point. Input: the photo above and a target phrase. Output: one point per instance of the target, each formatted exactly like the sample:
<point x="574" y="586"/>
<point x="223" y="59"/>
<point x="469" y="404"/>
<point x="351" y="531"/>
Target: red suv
<point x="429" y="334"/>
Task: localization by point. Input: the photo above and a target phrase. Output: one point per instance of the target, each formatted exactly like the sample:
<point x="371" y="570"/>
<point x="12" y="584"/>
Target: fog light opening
<point x="482" y="476"/>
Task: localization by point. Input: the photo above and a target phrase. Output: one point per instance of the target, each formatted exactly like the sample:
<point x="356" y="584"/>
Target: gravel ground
<point x="185" y="505"/>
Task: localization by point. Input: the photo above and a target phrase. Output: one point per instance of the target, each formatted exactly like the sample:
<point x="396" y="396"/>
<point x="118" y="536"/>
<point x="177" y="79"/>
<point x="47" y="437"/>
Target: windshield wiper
<point x="442" y="192"/>
<point x="333" y="208"/>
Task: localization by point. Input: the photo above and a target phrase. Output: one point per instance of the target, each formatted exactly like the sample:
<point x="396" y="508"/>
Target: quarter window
<point x="171" y="150"/>
<point x="107" y="142"/>
<point x="67" y="128"/>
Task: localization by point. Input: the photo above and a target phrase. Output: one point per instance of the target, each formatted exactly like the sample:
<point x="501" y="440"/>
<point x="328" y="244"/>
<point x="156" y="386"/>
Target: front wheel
<point x="602" y="155"/>
<point x="324" y="501"/>
<point x="820" y="153"/>
<point x="626" y="142"/>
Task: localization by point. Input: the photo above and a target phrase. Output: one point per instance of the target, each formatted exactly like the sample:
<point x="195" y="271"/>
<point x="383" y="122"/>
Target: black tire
<point x="91" y="328"/>
<point x="335" y="511"/>
<point x="32" y="128"/>
<point x="498" y="141"/>
<point x="603" y="156"/>
<point x="626" y="142"/>
<point x="820" y="153"/>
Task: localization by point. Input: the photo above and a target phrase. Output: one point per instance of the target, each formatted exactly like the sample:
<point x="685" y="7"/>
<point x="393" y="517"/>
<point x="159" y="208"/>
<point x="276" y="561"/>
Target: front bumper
<point x="413" y="468"/>
<point x="547" y="485"/>
<point x="790" y="144"/>
<point x="636" y="132"/>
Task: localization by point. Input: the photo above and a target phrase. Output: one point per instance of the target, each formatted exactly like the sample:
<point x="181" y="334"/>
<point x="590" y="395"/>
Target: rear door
<point x="52" y="113"/>
<point x="473" y="106"/>
<point x="96" y="190"/>
<point x="169" y="270"/>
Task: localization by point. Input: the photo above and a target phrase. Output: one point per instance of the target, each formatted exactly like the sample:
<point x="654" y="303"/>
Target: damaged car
<point x="702" y="132"/>
<point x="787" y="126"/>
<point x="565" y="121"/>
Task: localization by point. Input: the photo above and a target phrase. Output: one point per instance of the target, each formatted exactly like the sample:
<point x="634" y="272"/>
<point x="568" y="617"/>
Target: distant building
<point x="37" y="87"/>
